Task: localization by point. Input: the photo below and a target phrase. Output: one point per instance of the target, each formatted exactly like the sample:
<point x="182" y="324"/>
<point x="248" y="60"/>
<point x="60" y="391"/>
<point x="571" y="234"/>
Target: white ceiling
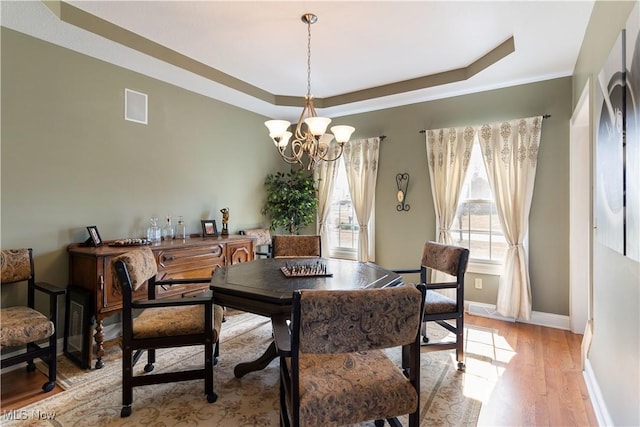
<point x="355" y="45"/>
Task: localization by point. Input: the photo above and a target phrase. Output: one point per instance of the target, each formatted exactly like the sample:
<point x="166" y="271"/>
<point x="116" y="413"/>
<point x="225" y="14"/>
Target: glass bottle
<point x="153" y="232"/>
<point x="181" y="229"/>
<point x="167" y="230"/>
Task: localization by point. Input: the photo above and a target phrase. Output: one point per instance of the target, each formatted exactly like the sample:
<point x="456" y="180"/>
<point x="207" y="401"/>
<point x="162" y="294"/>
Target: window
<point x="343" y="225"/>
<point x="476" y="225"/>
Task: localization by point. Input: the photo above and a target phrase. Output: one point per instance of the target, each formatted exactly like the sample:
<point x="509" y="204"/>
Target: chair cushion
<point x="345" y="388"/>
<point x="15" y="265"/>
<point x="436" y="303"/>
<point x="172" y="321"/>
<point x="22" y="325"/>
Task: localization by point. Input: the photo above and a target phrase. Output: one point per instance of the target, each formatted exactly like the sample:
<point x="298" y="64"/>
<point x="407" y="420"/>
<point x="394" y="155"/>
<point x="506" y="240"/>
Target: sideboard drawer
<point x="182" y="258"/>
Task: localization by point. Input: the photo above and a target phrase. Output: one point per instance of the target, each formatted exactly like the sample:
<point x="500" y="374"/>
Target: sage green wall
<point x="62" y="120"/>
<point x="69" y="159"/>
<point x="401" y="235"/>
<point x="614" y="355"/>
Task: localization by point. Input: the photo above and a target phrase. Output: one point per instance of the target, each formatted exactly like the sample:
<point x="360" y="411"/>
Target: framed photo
<point x="78" y="326"/>
<point x="94" y="237"/>
<point x="209" y="228"/>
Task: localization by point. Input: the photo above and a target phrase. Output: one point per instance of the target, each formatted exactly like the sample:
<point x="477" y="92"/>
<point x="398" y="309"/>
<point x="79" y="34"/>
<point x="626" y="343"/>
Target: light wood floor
<point x="531" y="376"/>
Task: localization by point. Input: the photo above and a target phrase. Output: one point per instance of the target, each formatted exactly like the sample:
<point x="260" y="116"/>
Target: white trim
<point x="595" y="395"/>
<point x="484" y="267"/>
<point x="537" y="317"/>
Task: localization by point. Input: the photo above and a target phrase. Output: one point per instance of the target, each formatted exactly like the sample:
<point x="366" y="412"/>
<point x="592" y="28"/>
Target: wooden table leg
<point x="99" y="338"/>
<point x="260" y="363"/>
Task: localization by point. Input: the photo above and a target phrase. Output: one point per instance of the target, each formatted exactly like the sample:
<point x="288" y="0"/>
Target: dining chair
<point x="440" y="309"/>
<point x="23" y="327"/>
<point x="261" y="241"/>
<point x="334" y="369"/>
<point x="162" y="323"/>
<point x="296" y="246"/>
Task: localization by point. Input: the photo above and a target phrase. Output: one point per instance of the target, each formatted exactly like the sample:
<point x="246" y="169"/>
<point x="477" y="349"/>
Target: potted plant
<point x="291" y="200"/>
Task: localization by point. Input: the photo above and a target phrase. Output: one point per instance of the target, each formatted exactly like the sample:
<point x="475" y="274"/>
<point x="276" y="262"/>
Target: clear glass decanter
<point x="167" y="230"/>
<point x="181" y="229"/>
<point x="154" y="233"/>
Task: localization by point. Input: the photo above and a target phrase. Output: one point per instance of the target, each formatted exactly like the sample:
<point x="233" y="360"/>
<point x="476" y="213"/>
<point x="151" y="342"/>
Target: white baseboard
<point x="595" y="395"/>
<point x="537" y="318"/>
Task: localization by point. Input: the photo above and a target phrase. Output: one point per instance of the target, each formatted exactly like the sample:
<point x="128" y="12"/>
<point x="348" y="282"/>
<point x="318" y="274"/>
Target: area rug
<point x="94" y="397"/>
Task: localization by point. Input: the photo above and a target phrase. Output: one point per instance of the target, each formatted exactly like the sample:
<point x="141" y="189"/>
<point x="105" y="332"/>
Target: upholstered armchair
<point x="296" y="246"/>
<point x="333" y="369"/>
<point x="24" y="326"/>
<point x="163" y="323"/>
<point x="444" y="311"/>
<point x="261" y="241"/>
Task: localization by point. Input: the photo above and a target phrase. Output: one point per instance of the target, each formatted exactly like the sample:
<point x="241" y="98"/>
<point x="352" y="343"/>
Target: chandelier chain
<point x="309" y="59"/>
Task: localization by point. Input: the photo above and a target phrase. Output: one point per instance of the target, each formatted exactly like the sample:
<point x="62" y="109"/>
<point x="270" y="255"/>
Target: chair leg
<point x="151" y="359"/>
<point x="127" y="384"/>
<point x="208" y="373"/>
<point x="216" y="352"/>
<point x="460" y="342"/>
<point x="49" y="385"/>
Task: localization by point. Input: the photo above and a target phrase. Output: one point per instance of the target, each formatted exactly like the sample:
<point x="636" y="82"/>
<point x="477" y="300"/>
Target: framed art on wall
<point x="209" y="228"/>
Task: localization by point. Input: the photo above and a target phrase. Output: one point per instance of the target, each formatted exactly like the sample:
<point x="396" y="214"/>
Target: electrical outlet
<point x="478" y="283"/>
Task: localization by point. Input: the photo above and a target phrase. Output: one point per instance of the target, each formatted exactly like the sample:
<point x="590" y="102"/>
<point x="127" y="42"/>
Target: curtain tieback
<point x="363" y="227"/>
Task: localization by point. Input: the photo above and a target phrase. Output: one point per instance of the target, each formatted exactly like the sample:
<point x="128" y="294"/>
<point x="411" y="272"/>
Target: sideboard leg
<point x="99" y="338"/>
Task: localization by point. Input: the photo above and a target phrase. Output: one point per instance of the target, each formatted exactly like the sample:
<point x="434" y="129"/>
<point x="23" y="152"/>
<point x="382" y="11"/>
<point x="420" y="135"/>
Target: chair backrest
<point x="296" y="246"/>
<point x="135" y="267"/>
<point x="448" y="259"/>
<point x="357" y="320"/>
<point x="261" y="241"/>
<point x="17" y="265"/>
<point x="260" y="236"/>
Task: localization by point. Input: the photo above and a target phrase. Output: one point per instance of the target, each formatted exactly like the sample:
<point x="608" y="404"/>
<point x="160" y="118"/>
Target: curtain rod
<point x="544" y="116"/>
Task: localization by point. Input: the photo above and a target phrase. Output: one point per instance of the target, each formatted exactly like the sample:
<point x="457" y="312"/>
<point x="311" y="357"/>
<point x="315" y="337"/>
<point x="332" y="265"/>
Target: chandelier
<point x="310" y="137"/>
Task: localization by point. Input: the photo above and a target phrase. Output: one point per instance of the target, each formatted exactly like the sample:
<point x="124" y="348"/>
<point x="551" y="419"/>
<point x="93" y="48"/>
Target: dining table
<point x="265" y="287"/>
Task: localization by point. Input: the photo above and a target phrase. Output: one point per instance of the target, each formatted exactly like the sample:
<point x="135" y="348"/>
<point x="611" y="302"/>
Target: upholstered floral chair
<point x="333" y="369"/>
<point x="24" y="326"/>
<point x="444" y="311"/>
<point x="163" y="323"/>
<point x="261" y="241"/>
<point x="296" y="246"/>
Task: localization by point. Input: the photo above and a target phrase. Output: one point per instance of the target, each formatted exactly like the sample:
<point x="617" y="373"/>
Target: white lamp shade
<point x="326" y="138"/>
<point x="284" y="140"/>
<point x="277" y="128"/>
<point x="342" y="132"/>
<point x="317" y="125"/>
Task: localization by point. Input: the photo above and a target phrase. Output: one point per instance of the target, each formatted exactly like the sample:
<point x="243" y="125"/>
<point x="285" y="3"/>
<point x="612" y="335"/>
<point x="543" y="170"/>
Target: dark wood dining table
<point x="261" y="287"/>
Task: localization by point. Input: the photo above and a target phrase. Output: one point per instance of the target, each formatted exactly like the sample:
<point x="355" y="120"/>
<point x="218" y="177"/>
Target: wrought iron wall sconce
<point x="402" y="179"/>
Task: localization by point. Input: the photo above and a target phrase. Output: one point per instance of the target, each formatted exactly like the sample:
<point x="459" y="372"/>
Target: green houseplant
<point x="291" y="200"/>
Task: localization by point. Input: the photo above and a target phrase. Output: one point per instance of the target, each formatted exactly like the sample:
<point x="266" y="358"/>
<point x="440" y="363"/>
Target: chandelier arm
<point x="324" y="157"/>
<point x="294" y="158"/>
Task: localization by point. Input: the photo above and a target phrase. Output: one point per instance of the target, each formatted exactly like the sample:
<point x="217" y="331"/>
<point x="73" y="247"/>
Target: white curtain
<point x="361" y="163"/>
<point x="510" y="153"/>
<point x="448" y="154"/>
<point x="324" y="175"/>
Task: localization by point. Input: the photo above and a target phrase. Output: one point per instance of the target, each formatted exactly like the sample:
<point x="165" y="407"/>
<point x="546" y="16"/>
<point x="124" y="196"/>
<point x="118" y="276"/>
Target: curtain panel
<point x="361" y="163"/>
<point x="325" y="174"/>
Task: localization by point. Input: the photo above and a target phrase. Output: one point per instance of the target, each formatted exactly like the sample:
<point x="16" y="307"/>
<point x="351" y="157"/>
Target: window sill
<point x="483" y="267"/>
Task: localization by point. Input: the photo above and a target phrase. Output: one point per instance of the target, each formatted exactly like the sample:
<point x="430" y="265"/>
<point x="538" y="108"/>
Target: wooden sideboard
<point x="90" y="268"/>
